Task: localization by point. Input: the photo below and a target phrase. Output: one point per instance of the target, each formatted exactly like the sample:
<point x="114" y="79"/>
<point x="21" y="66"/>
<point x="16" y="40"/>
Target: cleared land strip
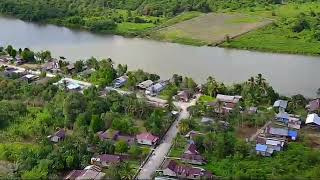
<point x="213" y="28"/>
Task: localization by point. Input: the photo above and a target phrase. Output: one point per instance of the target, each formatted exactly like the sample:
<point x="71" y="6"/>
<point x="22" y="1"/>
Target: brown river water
<point x="288" y="74"/>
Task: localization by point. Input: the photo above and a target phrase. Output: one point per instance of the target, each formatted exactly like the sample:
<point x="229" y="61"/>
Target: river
<point x="288" y="74"/>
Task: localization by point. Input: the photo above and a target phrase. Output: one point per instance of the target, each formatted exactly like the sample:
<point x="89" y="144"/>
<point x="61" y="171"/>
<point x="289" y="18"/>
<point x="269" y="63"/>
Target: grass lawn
<point x="181" y="17"/>
<point x="275" y="39"/>
<point x="131" y="28"/>
<point x="280" y="38"/>
<point x="209" y="28"/>
<point x="178" y="148"/>
<point x="140" y="124"/>
<point x="206" y="99"/>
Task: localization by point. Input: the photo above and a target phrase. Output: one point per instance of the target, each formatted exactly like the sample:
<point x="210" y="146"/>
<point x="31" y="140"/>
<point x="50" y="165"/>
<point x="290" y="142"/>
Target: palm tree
<point x="184" y="126"/>
<point x="127" y="172"/>
<point x="260" y="79"/>
<point x="251" y="81"/>
<point x="212" y="86"/>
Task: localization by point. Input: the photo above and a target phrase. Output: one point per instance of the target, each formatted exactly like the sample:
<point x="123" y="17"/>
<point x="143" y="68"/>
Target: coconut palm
<point x="127" y="172"/>
<point x="184" y="126"/>
<point x="212" y="87"/>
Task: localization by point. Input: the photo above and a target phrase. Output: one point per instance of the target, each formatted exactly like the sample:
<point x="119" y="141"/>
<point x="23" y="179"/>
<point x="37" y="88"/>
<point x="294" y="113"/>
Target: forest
<point x="114" y="16"/>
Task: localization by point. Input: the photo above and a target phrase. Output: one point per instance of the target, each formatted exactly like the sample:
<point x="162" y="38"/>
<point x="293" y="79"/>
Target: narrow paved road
<point x="161" y="151"/>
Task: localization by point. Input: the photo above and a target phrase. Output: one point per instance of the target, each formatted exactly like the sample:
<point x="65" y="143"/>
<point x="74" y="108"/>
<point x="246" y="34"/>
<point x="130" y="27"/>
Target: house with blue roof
<point x="156" y="88"/>
<point x="293" y="135"/>
<point x="283" y="117"/>
<point x="263" y="150"/>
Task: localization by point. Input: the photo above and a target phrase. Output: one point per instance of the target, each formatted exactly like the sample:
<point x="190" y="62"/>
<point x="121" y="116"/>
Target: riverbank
<point x="294" y="30"/>
<point x="227" y="65"/>
<point x="276" y="40"/>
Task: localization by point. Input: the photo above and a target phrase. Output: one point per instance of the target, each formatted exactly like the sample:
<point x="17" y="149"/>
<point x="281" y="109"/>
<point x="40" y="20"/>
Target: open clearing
<point x="212" y="28"/>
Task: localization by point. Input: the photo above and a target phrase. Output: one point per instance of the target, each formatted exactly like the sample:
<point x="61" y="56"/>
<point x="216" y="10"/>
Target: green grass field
<point x="210" y="28"/>
<point x="279" y="38"/>
<point x="274" y="39"/>
<point x="131" y="28"/>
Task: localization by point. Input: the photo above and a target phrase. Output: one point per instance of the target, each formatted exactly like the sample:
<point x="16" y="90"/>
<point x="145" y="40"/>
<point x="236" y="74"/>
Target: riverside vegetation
<point x="295" y="28"/>
<point x="29" y="112"/>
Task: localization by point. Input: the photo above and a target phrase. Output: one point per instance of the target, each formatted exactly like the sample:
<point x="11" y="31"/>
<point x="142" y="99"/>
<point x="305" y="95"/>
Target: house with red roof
<point x="191" y="149"/>
<point x="147" y="139"/>
<point x="192" y="156"/>
<point x="314" y="105"/>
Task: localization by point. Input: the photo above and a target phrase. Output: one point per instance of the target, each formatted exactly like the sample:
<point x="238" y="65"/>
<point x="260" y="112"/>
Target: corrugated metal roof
<point x="280" y="103"/>
<point x="261" y="147"/>
<point x="313" y="118"/>
<point x="273" y="142"/>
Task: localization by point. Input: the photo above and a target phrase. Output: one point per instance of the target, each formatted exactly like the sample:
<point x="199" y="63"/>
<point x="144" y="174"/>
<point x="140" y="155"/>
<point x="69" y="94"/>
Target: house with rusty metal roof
<point x="173" y="169"/>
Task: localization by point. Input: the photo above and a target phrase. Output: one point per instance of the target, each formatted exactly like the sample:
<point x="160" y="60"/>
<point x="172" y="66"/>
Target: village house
<point x="19" y="61"/>
<point x="262" y="149"/>
<point x="184" y="96"/>
<point x="70" y="68"/>
<point x="191" y="149"/>
<point x="4" y="59"/>
<point x="193" y="159"/>
<point x="145" y="84"/>
<point x="114" y="136"/>
<point x="314" y="106"/>
<point x="73" y="85"/>
<point x="51" y="66"/>
<point x="156" y="88"/>
<point x="58" y="136"/>
<point x="192" y="156"/>
<point x="147" y="139"/>
<point x="228" y="99"/>
<point x="191" y="134"/>
<point x="120" y="81"/>
<point x="294" y="123"/>
<point x="282" y="132"/>
<point x="283" y="117"/>
<point x="290" y="120"/>
<point x="281" y="104"/>
<point x="12" y="72"/>
<point x="313" y="120"/>
<point x="267" y="146"/>
<point x="29" y="78"/>
<point x="106" y="160"/>
<point x="173" y="169"/>
<point x="224" y="103"/>
<point x="90" y="172"/>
